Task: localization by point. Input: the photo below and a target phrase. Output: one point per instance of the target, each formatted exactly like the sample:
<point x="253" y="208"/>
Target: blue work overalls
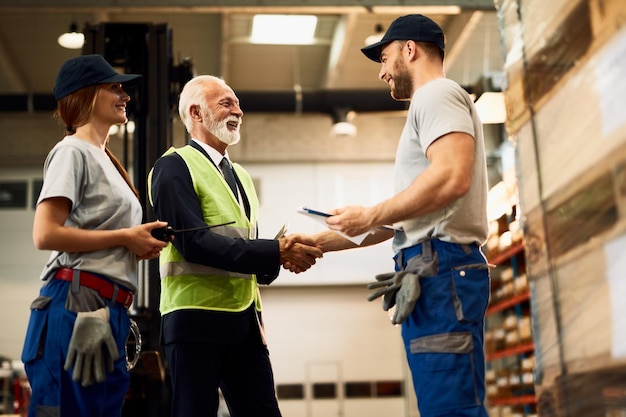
<point x="444" y="334"/>
<point x="54" y="393"/>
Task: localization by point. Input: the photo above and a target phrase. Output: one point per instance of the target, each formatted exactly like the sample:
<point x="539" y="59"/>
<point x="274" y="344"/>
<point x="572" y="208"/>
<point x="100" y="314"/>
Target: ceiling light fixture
<point x="342" y="123"/>
<point x="379" y="32"/>
<point x="281" y="29"/>
<point x="72" y="39"/>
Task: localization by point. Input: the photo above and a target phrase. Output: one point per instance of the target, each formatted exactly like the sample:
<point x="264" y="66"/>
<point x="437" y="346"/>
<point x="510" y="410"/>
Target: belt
<point x="105" y="288"/>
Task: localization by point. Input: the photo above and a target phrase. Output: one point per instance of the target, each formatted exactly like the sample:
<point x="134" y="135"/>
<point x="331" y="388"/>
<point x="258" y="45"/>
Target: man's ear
<point x="194" y="112"/>
<point x="412" y="50"/>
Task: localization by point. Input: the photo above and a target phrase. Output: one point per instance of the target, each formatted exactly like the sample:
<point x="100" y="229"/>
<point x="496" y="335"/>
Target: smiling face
<point x="222" y="117"/>
<point x="394" y="71"/>
<point x="110" y="106"/>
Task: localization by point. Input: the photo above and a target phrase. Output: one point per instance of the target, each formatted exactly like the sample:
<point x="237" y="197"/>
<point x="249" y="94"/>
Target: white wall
<point x="20" y="267"/>
<point x="332" y="334"/>
<point x="283" y="188"/>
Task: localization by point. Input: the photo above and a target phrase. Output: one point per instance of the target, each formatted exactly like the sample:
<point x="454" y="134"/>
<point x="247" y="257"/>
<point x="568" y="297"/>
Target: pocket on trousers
<point x="444" y="371"/>
<point x="446" y="382"/>
<point x="470" y="292"/>
<point x="37" y="329"/>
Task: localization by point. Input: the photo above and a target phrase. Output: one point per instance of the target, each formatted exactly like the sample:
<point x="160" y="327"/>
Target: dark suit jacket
<point x="176" y="202"/>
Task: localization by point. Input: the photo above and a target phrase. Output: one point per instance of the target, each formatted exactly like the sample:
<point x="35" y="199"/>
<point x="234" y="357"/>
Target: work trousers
<point x="444" y="335"/>
<point x="54" y="392"/>
<point x="234" y="360"/>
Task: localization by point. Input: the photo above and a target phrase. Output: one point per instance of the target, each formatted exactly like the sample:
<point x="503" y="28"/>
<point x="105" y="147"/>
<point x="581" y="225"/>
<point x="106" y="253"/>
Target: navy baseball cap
<point x="413" y="27"/>
<point x="85" y="70"/>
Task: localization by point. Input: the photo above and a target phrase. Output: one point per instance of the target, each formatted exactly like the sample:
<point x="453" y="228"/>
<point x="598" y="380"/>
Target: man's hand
<point x="297" y="254"/>
<point x="351" y="220"/>
<point x="91" y="345"/>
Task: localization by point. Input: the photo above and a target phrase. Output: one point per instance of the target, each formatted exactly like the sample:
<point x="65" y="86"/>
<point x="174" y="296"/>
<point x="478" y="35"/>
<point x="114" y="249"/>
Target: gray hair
<point x="194" y="94"/>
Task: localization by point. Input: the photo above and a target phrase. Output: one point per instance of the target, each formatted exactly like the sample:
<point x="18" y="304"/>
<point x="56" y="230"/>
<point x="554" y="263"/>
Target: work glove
<point x="91" y="345"/>
<point x="400" y="289"/>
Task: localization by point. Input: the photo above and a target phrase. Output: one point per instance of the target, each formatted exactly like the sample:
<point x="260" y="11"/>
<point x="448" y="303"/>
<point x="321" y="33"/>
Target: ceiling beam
<point x="234" y="4"/>
<point x="322" y="101"/>
<point x="344" y="30"/>
<point x="461" y="30"/>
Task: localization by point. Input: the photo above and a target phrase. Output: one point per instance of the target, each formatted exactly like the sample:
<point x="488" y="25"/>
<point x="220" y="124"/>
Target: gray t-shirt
<point x="101" y="200"/>
<point x="438" y="108"/>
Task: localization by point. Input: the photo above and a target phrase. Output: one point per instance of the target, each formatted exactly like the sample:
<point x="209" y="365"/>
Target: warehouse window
<point x="358" y="389"/>
<point x="324" y="390"/>
<point x="389" y="389"/>
<point x="13" y="194"/>
<point x="290" y="391"/>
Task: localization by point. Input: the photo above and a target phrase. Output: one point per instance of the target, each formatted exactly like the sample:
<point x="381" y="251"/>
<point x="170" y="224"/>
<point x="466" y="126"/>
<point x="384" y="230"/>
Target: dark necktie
<point x="227" y="171"/>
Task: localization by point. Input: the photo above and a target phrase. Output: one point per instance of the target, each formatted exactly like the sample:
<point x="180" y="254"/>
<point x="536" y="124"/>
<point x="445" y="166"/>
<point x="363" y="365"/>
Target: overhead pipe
<point x="253" y="101"/>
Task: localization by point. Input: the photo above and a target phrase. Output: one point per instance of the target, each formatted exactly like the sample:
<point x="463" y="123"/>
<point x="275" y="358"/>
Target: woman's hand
<point x="142" y="243"/>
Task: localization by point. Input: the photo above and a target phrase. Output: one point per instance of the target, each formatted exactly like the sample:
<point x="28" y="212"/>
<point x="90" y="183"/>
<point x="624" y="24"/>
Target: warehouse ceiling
<point x="215" y="37"/>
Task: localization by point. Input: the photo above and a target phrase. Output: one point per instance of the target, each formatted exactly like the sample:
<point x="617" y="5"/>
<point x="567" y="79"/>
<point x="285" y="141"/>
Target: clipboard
<point x="323" y="215"/>
<point x="316" y="212"/>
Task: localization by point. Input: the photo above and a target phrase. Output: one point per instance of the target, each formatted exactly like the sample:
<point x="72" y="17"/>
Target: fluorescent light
<point x="491" y="108"/>
<point x="284" y="29"/>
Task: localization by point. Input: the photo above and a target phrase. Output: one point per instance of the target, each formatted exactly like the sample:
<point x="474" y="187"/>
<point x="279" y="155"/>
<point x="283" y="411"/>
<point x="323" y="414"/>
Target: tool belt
<point x="424" y="264"/>
<point x="107" y="289"/>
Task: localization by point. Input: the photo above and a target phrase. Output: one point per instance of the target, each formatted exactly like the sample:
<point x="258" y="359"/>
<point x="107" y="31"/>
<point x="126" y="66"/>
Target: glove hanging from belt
<point x="402" y="288"/>
<point x="92" y="350"/>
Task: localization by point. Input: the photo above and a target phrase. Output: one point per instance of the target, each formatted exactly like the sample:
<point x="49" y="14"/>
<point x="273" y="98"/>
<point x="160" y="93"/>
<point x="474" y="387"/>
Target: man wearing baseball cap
<point x="440" y="287"/>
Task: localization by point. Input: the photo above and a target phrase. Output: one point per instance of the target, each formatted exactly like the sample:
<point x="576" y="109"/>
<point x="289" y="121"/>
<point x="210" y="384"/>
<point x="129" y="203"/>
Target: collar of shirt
<point x="213" y="153"/>
<point x="216" y="157"/>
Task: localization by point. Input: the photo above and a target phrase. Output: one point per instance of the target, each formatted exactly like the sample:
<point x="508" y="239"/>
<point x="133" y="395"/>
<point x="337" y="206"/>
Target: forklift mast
<point x="146" y="49"/>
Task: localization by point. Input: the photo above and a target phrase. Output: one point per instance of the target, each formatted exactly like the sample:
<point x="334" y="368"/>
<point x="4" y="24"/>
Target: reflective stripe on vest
<point x="177" y="265"/>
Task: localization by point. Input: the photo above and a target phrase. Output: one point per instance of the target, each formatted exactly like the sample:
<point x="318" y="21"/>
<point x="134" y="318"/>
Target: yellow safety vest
<point x="188" y="285"/>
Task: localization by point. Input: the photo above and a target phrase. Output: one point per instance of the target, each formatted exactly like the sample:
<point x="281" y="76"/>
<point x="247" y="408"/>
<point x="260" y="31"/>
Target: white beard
<point x="220" y="129"/>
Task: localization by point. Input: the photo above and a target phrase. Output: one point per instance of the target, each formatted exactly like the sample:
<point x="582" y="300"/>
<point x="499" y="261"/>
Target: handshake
<point x="298" y="252"/>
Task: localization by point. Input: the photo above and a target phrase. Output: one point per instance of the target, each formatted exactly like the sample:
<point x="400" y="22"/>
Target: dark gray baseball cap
<point x="413" y="27"/>
<point x="85" y="70"/>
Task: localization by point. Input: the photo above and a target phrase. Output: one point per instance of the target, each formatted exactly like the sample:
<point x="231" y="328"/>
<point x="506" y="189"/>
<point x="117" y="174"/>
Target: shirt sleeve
<point x="441" y="109"/>
<point x="176" y="202"/>
<point x="64" y="169"/>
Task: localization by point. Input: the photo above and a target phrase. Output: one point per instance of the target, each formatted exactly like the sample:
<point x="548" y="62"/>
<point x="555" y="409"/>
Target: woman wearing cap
<point x="89" y="215"/>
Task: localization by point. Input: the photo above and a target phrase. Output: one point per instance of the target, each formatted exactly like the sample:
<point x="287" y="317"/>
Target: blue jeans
<point x="54" y="393"/>
<point x="444" y="334"/>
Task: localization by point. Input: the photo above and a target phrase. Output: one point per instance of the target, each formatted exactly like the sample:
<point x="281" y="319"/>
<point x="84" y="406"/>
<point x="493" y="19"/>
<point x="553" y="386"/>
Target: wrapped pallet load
<point x="565" y="94"/>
